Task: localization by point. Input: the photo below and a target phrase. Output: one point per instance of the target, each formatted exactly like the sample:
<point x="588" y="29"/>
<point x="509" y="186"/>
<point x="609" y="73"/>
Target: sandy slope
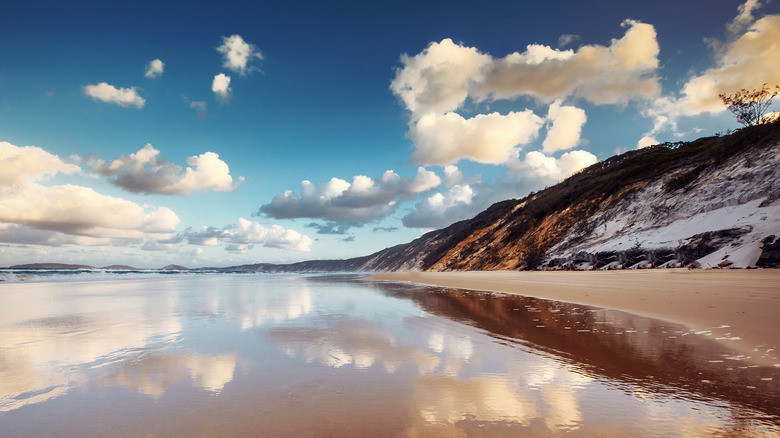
<point x="739" y="307"/>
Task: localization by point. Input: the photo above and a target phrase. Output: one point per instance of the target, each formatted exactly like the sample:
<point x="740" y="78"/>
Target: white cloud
<point x="24" y="235"/>
<point x="357" y="203"/>
<point x="466" y="200"/>
<point x="749" y="60"/>
<point x="147" y="172"/>
<point x="444" y="75"/>
<point x="550" y="170"/>
<point x="274" y="236"/>
<point x="453" y="175"/>
<point x="221" y="86"/>
<point x="567" y="122"/>
<point x="486" y="138"/>
<point x="744" y="18"/>
<point x="154" y="69"/>
<point x="237" y="53"/>
<point x="245" y="233"/>
<point x="67" y="209"/>
<point x="121" y="96"/>
<point x="442" y="209"/>
<point x="82" y="211"/>
<point x="29" y="163"/>
<point x="440" y="78"/>
<point x="646" y="141"/>
<point x="613" y="74"/>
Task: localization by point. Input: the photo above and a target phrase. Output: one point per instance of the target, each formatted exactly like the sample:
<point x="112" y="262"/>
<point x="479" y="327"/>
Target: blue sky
<point x="204" y="134"/>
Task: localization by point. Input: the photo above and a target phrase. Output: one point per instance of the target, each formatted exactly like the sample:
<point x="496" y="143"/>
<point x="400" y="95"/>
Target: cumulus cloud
<point x="452" y="175"/>
<point x="147" y="172"/>
<point x="566" y="126"/>
<point x="438" y="209"/>
<point x="124" y="97"/>
<point x="465" y="200"/>
<point x="244" y="233"/>
<point x="613" y="74"/>
<point x="445" y="74"/>
<point x="154" y="69"/>
<point x="66" y="214"/>
<point x="357" y="203"/>
<point x="24" y="235"/>
<point x="750" y="58"/>
<point x="485" y="138"/>
<point x="221" y="86"/>
<point x="82" y="211"/>
<point x="438" y="79"/>
<point x="29" y="163"/>
<point x="647" y="140"/>
<point x="237" y="54"/>
<point x="538" y="166"/>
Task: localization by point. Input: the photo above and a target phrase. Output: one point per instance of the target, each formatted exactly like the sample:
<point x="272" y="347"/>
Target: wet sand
<point x="740" y="308"/>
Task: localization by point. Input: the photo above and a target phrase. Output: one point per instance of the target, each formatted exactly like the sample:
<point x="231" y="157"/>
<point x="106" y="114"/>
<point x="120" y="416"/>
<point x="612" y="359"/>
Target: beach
<point x="738" y="307"/>
<point x="188" y="354"/>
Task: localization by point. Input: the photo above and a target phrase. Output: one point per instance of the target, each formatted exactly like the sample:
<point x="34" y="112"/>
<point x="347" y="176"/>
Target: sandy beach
<point x="741" y="308"/>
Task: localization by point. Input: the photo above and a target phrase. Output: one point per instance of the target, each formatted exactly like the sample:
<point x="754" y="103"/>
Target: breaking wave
<point x="59" y="275"/>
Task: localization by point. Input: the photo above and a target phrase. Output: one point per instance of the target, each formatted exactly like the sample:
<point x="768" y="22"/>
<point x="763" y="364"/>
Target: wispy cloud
<point x="124" y="97"/>
<point x="202" y="109"/>
<point x="566" y="39"/>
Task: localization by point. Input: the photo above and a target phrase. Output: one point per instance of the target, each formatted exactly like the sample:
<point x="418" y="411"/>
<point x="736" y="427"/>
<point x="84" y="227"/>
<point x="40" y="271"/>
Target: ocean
<point x="170" y="354"/>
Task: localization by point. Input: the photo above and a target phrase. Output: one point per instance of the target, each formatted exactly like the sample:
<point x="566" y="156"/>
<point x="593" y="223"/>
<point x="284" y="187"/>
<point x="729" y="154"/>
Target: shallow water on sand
<point x="342" y="355"/>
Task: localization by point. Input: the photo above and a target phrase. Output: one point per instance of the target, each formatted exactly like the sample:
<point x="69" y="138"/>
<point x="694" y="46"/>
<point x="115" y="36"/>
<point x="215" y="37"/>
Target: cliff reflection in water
<point x="639" y="354"/>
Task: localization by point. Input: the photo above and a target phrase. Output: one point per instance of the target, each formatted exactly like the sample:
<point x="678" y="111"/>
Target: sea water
<point x="201" y="355"/>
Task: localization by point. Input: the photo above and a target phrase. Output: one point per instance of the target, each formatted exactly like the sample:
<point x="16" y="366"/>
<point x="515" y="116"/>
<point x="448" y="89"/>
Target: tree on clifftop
<point x="750" y="106"/>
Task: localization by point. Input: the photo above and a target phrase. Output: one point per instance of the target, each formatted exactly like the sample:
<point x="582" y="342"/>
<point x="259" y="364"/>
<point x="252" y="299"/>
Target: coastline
<point x="740" y="308"/>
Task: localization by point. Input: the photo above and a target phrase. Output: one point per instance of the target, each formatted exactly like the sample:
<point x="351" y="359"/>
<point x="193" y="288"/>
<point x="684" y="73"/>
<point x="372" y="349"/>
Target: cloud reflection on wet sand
<point x="337" y="355"/>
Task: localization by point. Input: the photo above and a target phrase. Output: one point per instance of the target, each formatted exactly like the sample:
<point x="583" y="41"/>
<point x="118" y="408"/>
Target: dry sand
<point x="741" y="308"/>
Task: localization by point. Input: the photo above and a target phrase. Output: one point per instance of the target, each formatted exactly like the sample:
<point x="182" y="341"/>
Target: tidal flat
<point x="347" y="355"/>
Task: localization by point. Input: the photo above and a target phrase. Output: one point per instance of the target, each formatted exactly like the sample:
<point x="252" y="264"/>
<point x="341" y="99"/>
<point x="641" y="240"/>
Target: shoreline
<point x="740" y="308"/>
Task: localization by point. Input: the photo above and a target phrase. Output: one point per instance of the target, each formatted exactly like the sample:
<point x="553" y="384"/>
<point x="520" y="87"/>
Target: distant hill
<point x="175" y="268"/>
<point x="712" y="202"/>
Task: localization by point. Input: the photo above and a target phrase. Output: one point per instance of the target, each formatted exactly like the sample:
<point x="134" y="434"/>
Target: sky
<point x="150" y="133"/>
